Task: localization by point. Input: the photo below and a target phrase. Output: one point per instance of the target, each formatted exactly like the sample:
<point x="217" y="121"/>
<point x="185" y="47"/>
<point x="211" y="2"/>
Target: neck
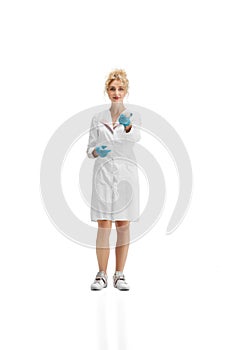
<point x="117" y="107"/>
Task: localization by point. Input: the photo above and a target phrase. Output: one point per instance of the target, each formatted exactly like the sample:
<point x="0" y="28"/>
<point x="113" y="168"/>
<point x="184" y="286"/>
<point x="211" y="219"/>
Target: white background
<point x="55" y="56"/>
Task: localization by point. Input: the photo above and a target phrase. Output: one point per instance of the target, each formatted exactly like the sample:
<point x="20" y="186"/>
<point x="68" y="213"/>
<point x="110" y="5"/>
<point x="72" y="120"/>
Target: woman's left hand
<point x="124" y="120"/>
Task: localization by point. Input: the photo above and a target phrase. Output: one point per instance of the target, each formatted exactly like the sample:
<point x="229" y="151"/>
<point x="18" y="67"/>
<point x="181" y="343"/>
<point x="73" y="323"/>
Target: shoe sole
<point x="123" y="289"/>
<point x="98" y="288"/>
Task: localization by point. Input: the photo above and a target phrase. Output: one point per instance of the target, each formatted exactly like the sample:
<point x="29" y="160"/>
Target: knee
<point x="122" y="225"/>
<point x="105" y="224"/>
<point x="122" y="228"/>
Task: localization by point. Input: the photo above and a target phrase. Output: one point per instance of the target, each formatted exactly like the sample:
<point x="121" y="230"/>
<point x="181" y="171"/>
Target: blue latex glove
<point x="124" y="120"/>
<point x="101" y="151"/>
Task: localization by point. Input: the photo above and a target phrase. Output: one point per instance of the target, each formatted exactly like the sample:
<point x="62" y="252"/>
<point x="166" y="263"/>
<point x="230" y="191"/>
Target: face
<point x="116" y="91"/>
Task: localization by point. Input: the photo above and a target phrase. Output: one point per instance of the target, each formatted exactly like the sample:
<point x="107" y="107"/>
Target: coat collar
<point x="107" y="121"/>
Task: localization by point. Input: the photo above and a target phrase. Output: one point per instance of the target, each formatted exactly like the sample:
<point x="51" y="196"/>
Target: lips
<point x="116" y="98"/>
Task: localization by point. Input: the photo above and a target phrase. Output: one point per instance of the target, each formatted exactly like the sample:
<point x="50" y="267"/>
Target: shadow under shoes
<point x="100" y="282"/>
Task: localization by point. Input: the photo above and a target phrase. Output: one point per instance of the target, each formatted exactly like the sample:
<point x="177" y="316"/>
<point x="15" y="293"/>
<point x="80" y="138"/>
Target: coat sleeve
<point x="134" y="134"/>
<point x="93" y="135"/>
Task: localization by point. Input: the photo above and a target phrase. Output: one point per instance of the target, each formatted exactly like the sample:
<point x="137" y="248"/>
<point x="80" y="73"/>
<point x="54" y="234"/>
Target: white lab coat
<point x="115" y="185"/>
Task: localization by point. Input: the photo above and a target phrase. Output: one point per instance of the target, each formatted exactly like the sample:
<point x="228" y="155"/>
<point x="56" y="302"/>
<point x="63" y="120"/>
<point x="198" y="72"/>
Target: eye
<point x="112" y="88"/>
<point x="121" y="89"/>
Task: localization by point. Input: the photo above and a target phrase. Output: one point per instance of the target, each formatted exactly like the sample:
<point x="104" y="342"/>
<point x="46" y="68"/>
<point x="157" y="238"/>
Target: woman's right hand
<point x="101" y="151"/>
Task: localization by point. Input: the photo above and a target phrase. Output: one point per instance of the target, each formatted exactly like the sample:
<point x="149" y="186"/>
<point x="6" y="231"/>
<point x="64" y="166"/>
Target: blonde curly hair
<point x="117" y="74"/>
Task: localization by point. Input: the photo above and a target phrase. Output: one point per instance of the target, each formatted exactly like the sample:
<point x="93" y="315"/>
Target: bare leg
<point x="102" y="244"/>
<point x="122" y="244"/>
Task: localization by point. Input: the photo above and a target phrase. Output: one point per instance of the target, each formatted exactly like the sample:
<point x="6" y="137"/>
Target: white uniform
<point x="115" y="185"/>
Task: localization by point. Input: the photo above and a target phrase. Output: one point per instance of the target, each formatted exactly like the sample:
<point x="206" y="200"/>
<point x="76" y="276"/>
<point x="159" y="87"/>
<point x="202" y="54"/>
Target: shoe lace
<point x="100" y="278"/>
<point x="120" y="278"/>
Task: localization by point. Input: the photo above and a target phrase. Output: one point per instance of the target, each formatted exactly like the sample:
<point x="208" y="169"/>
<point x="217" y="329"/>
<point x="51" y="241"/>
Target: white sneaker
<point x="100" y="282"/>
<point x="119" y="281"/>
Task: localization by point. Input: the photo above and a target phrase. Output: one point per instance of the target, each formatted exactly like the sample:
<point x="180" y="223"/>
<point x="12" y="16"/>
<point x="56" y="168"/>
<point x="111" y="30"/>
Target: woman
<point x="115" y="188"/>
